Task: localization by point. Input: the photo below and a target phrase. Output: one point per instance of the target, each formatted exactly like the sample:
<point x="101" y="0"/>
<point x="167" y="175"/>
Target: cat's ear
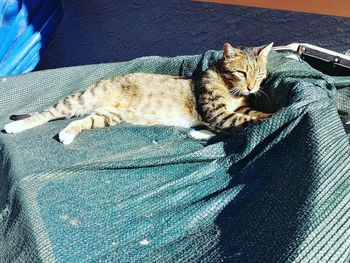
<point x="264" y="51"/>
<point x="229" y="51"/>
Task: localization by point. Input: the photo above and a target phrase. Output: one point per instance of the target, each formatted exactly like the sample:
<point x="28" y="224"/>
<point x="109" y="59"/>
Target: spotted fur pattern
<point x="219" y="101"/>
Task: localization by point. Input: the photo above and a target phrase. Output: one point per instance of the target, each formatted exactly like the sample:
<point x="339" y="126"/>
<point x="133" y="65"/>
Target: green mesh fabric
<point x="274" y="192"/>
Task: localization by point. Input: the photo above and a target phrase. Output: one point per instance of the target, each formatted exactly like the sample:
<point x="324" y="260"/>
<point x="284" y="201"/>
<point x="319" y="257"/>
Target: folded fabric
<point x="278" y="191"/>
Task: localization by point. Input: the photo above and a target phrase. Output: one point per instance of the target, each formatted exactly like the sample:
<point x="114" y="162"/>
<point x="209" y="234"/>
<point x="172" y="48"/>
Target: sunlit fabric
<point x="278" y="191"/>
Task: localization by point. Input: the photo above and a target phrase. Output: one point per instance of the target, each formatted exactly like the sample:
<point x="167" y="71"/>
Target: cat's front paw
<point x="66" y="137"/>
<point x="264" y="116"/>
<point x="14" y="127"/>
<point x="201" y="134"/>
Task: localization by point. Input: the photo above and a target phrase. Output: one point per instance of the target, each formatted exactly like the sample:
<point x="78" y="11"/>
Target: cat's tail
<point x="77" y="104"/>
<point x="17" y="117"/>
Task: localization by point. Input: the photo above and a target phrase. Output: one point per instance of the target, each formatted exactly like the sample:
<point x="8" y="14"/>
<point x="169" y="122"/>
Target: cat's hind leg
<point x="101" y="117"/>
<point x="73" y="105"/>
<point x="28" y="121"/>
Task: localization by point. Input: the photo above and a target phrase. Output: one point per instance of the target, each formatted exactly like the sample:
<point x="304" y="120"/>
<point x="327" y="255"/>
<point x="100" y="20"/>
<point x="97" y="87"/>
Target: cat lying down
<point x="218" y="101"/>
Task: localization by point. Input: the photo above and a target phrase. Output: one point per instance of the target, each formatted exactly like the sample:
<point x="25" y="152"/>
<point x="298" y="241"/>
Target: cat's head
<point x="244" y="69"/>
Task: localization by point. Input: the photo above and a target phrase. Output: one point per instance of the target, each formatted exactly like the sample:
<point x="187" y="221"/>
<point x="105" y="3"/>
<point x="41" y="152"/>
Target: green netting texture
<point x="278" y="191"/>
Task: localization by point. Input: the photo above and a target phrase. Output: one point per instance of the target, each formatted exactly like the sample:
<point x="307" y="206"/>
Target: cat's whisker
<point x="260" y="90"/>
<point x="234" y="92"/>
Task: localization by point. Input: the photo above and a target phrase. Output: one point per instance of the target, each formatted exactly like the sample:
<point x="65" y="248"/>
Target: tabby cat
<point x="219" y="100"/>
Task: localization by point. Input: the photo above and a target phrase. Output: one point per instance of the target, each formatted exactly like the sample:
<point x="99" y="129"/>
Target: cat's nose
<point x="249" y="88"/>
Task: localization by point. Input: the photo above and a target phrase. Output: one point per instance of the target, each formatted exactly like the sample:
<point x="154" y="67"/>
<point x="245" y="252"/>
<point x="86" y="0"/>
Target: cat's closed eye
<point x="240" y="74"/>
<point x="235" y="75"/>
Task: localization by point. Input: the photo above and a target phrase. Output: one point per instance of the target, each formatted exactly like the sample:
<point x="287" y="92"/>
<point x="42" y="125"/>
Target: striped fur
<point x="225" y="87"/>
<point x="218" y="101"/>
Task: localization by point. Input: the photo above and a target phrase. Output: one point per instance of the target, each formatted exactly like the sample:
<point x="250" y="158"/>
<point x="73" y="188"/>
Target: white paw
<point x="14" y="127"/>
<point x="202" y="134"/>
<point x="66" y="137"/>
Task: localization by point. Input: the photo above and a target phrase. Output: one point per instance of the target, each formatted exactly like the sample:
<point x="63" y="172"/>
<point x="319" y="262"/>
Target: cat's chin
<point x="237" y="93"/>
<point x="244" y="94"/>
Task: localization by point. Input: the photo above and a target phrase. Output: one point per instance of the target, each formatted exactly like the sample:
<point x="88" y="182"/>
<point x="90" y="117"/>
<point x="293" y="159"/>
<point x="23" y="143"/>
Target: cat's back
<point x="155" y="98"/>
<point x="155" y="87"/>
<point x="151" y="81"/>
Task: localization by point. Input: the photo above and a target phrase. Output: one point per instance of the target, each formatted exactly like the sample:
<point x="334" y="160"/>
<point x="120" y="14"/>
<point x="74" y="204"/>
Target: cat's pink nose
<point x="249" y="88"/>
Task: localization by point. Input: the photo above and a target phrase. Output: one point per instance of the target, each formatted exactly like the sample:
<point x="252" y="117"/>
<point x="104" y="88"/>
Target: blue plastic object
<point x="26" y="28"/>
